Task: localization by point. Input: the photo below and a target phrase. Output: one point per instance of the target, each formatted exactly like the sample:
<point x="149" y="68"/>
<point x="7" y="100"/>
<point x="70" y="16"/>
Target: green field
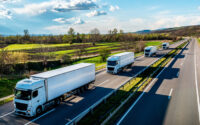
<point x="35" y="46"/>
<point x="153" y="43"/>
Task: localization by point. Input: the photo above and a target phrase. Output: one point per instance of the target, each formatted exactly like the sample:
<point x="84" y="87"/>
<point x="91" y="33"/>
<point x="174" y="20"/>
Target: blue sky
<point x="57" y="16"/>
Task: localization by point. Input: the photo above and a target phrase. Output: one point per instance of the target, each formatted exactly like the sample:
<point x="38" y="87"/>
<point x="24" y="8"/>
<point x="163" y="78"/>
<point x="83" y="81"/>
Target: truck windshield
<point x="23" y="95"/>
<point x="147" y="50"/>
<point x="112" y="63"/>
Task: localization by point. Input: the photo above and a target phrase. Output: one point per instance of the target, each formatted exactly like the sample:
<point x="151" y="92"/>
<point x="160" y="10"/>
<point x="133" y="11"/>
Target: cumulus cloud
<point x="114" y="8"/>
<point x="5" y="13"/>
<point x="131" y="25"/>
<point x="56" y="6"/>
<point x="64" y="6"/>
<point x="34" y="9"/>
<point x="9" y="1"/>
<point x="96" y="13"/>
<point x="73" y="20"/>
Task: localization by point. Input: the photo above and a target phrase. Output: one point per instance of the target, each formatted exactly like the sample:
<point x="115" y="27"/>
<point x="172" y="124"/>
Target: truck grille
<point x="21" y="106"/>
<point x="110" y="68"/>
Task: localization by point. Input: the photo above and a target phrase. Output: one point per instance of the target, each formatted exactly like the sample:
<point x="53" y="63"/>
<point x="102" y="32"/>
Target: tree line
<point x="93" y="36"/>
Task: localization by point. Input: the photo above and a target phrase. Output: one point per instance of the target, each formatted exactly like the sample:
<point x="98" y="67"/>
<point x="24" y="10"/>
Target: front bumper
<point x="23" y="113"/>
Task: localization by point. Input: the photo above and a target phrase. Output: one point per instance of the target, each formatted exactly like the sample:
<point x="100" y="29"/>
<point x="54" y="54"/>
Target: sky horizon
<point x="57" y="16"/>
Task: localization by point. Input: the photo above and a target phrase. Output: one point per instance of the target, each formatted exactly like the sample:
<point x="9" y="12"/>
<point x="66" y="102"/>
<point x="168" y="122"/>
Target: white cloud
<point x="5" y="13"/>
<point x="131" y="25"/>
<point x="73" y="20"/>
<point x="96" y="13"/>
<point x="10" y="1"/>
<point x="56" y="6"/>
<point x="34" y="9"/>
<point x="64" y="6"/>
<point x="114" y="8"/>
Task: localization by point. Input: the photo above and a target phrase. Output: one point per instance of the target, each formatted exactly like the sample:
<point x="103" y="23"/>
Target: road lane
<point x="104" y="84"/>
<point x="181" y="108"/>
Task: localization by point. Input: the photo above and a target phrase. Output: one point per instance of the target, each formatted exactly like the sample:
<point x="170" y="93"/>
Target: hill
<point x="181" y="31"/>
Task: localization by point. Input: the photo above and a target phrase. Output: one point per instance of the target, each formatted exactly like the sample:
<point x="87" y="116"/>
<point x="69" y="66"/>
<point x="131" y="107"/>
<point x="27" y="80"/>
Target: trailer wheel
<point x="38" y="110"/>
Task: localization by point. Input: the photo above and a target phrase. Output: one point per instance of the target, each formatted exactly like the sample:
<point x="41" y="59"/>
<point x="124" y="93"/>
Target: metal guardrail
<point x="90" y="109"/>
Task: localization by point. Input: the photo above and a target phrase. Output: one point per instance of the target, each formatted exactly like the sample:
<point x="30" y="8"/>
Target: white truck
<point x="118" y="62"/>
<point x="165" y="45"/>
<point x="43" y="90"/>
<point x="150" y="50"/>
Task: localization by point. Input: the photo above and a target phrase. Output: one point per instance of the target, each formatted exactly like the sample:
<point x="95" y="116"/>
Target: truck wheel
<point x="57" y="102"/>
<point x="38" y="111"/>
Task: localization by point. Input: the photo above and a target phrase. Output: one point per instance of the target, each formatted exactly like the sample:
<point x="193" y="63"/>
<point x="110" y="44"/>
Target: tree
<point x="66" y="59"/>
<point x="78" y="39"/>
<point x="71" y="34"/>
<point x="94" y="35"/>
<point x="26" y="35"/>
<point x="114" y="31"/>
<point x="104" y="52"/>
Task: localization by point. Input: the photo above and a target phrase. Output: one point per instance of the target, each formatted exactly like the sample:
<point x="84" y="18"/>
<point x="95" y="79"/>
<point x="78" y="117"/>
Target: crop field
<point x="62" y="49"/>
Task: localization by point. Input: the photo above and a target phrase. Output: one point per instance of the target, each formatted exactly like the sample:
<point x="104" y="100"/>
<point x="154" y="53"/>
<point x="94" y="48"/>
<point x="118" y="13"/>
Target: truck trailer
<point x="150" y="50"/>
<point x="41" y="91"/>
<point x="118" y="62"/>
<point x="165" y="45"/>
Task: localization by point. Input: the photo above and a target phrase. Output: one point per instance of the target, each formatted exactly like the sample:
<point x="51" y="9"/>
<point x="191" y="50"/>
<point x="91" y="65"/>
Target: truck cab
<point x="150" y="50"/>
<point x="165" y="45"/>
<point x="29" y="97"/>
<point x="113" y="64"/>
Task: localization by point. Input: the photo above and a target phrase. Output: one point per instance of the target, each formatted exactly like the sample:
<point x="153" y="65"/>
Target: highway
<point x="76" y="104"/>
<point x="173" y="97"/>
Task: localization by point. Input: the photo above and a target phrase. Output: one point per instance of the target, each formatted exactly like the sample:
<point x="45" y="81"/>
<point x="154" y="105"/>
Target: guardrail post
<point x="91" y="111"/>
<point x="74" y="123"/>
<point x="105" y="100"/>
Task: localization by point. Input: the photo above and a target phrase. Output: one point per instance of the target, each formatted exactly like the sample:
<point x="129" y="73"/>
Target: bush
<point x="104" y="52"/>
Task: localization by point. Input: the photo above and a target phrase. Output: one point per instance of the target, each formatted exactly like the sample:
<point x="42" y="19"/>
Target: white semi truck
<point x="150" y="50"/>
<point x="118" y="62"/>
<point x="165" y="45"/>
<point x="40" y="91"/>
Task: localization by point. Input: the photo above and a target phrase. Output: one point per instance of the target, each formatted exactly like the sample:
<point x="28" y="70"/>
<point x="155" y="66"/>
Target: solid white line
<point x="40" y="116"/>
<point x="170" y="93"/>
<point x="103" y="82"/>
<point x="140" y="97"/>
<point x="132" y="106"/>
<point x="6" y="114"/>
<point x="196" y="83"/>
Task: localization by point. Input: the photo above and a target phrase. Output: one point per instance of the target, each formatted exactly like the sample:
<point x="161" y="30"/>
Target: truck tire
<point x="38" y="110"/>
<point x="57" y="102"/>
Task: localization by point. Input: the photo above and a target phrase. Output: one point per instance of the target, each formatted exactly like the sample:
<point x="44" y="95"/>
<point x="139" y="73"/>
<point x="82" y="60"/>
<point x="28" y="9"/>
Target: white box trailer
<point x="165" y="45"/>
<point x="150" y="50"/>
<point x="34" y="95"/>
<point x="117" y="62"/>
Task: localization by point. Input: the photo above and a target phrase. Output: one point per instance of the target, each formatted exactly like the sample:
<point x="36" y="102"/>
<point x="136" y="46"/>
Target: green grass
<point x="6" y="100"/>
<point x="35" y="46"/>
<point x="7" y="86"/>
<point x="153" y="43"/>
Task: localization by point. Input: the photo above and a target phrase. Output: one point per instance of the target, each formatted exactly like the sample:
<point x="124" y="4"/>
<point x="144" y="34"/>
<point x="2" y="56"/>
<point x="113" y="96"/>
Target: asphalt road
<point x="173" y="98"/>
<point x="76" y="104"/>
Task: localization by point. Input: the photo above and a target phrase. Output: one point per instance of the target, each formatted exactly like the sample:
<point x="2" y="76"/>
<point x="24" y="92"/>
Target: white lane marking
<point x="6" y="114"/>
<point x="181" y="64"/>
<point x="40" y="116"/>
<point x="132" y="106"/>
<point x="170" y="93"/>
<point x="139" y="97"/>
<point x="103" y="82"/>
<point x="196" y="83"/>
